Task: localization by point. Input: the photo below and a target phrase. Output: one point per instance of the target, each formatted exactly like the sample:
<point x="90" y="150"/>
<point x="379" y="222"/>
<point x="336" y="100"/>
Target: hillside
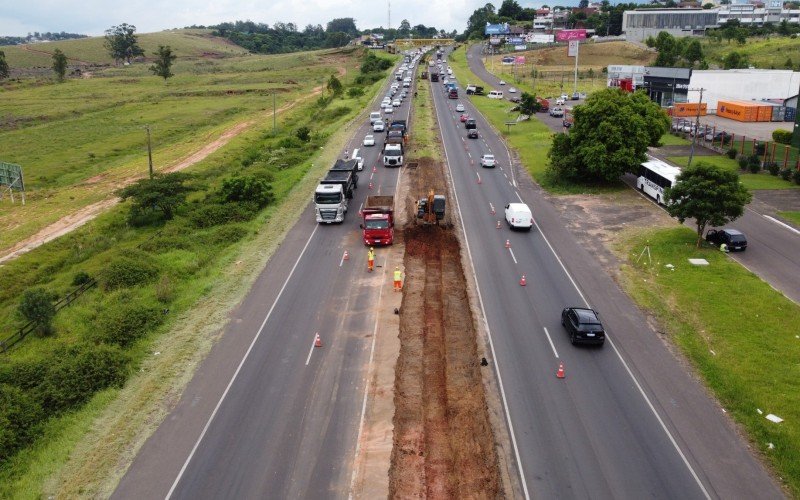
<point x="90" y="51"/>
<point x="592" y="55"/>
<point x="763" y="53"/>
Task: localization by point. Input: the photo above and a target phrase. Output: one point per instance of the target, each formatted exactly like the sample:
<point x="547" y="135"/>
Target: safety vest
<point x="398" y="275"/>
<point x="370" y="255"/>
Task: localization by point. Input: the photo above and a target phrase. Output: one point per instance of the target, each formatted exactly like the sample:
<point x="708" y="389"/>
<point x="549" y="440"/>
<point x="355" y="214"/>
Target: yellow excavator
<point x="430" y="210"/>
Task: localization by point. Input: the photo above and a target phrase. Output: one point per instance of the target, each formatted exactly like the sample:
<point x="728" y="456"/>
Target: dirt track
<point x="443" y="441"/>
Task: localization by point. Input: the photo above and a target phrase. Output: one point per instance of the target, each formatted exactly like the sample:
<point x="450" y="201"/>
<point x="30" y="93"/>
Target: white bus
<point x="654" y="177"/>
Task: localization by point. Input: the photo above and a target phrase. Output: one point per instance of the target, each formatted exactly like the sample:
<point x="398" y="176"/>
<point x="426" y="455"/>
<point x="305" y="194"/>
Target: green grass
<point x="793" y="217"/>
<point x="76" y="141"/>
<point x="673" y="140"/>
<point x="761" y="53"/>
<point x="724" y="308"/>
<point x="425" y="139"/>
<point x="752" y="182"/>
<point x="208" y="272"/>
<point x="531" y="139"/>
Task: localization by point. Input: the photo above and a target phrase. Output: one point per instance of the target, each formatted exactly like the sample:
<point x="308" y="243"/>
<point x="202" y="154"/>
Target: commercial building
<point x="642" y="23"/>
<point x="665" y="86"/>
<point x="743" y="85"/>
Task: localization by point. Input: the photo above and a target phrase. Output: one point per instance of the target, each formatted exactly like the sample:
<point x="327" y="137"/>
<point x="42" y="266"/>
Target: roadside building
<point x="744" y="85"/>
<point x="639" y="24"/>
<point x="667" y="86"/>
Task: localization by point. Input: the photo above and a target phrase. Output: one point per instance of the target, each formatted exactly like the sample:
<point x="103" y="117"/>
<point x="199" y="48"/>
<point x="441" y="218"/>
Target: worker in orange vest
<point x="398" y="279"/>
<point x="370" y="259"/>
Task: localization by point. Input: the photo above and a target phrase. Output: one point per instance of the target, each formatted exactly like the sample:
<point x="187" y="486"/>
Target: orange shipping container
<point x="765" y="113"/>
<point x="739" y="111"/>
<point x="689" y="109"/>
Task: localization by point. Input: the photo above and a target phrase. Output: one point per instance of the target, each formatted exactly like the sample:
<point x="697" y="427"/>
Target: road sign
<point x="11" y="180"/>
<point x="572" y="51"/>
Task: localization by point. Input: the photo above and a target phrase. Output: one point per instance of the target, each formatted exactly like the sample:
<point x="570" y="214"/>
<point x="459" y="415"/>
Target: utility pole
<point x="149" y="151"/>
<point x="696" y="125"/>
<point x="274" y="127"/>
<point x="577" y="49"/>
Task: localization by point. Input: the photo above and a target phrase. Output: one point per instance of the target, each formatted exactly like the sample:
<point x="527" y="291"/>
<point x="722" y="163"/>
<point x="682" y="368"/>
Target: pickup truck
<point x="393" y="155"/>
<point x="378" y="225"/>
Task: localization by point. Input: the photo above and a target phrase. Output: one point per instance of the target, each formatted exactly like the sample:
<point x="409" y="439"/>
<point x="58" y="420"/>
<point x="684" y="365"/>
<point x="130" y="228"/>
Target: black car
<point x="583" y="325"/>
<point x="470" y="124"/>
<point x="472" y="133"/>
<point x="731" y="237"/>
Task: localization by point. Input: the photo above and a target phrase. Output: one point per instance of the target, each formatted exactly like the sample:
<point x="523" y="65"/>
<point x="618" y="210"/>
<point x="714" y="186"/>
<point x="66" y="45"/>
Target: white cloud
<point x="92" y="17"/>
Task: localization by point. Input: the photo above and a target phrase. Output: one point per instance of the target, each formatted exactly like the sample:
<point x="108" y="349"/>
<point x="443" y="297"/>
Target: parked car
<point x="495" y="94"/>
<point x="556" y="112"/>
<point x="472" y="133"/>
<point x="487" y="161"/>
<point x="378" y="126"/>
<point x="519" y="216"/>
<point x="369" y="140"/>
<point x="702" y="131"/>
<point x="721" y="137"/>
<point x="460" y="108"/>
<point x="583" y="325"/>
<point x="560" y="101"/>
<point x="735" y="239"/>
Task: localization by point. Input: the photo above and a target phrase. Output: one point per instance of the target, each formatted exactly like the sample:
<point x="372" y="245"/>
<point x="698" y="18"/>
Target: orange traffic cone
<point x="523" y="281"/>
<point x="346" y="255"/>
<point x="317" y="341"/>
<point x="498" y="224"/>
<point x="370" y="185"/>
<point x="560" y="372"/>
<point x="479" y="180"/>
<point x="492" y="211"/>
<point x="374" y="169"/>
<point x="508" y="243"/>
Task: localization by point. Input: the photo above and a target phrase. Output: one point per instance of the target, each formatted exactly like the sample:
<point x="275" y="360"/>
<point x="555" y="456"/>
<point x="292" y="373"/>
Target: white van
<point x="375" y="116"/>
<point x="357" y="156"/>
<point x="495" y="94"/>
<point x="518" y="215"/>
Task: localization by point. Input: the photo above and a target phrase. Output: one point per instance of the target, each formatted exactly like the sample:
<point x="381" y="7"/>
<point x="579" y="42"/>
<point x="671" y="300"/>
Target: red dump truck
<point x="378" y="225"/>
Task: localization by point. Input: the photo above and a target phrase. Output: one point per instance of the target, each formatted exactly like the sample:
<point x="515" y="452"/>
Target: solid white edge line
<point x="776" y="221"/>
<point x="552" y="345"/>
<point x="485" y="321"/>
<point x="311" y="351"/>
<point x="520" y="200"/>
<point x="512" y="255"/>
<point x="630" y="373"/>
<point x="238" y="368"/>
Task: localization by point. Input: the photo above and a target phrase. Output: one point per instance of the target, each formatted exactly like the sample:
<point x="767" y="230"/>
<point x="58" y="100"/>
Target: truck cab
<point x="378" y="223"/>
<point x="330" y="203"/>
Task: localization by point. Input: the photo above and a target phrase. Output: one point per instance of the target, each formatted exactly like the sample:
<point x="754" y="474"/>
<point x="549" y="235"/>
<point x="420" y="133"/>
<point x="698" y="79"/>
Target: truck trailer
<point x="378" y="224"/>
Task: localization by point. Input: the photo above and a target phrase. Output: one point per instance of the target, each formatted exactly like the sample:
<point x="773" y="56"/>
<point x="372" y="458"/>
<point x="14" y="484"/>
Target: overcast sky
<point x="93" y="17"/>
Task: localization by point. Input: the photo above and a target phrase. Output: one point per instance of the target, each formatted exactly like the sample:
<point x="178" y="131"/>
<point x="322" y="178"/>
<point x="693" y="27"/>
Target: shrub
<point x="290" y="143"/>
<point x="773" y="168"/>
<point x="247" y="188"/>
<point x="754" y="164"/>
<point x="782" y="136"/>
<point x="743" y="161"/>
<point x="796" y="177"/>
<point x="124" y="323"/>
<point x="304" y="133"/>
<point x="126" y="272"/>
<point x="731" y="152"/>
<point x="80" y="278"/>
<point x="786" y="174"/>
<point x="215" y="214"/>
<point x="38" y="305"/>
<point x="19" y="414"/>
<point x="165" y="290"/>
<point x="355" y="92"/>
<point x="225" y="235"/>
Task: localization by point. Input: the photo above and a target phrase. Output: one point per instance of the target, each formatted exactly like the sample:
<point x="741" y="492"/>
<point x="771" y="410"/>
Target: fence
<point x="68" y="299"/>
<point x="721" y="141"/>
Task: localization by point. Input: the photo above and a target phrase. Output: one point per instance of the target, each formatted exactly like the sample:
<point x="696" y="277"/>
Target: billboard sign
<point x="496" y="29"/>
<point x="520" y="47"/>
<point x="540" y="38"/>
<point x="494" y="40"/>
<point x="567" y="35"/>
<point x="11" y="176"/>
<point x="515" y="41"/>
<point x="572" y="51"/>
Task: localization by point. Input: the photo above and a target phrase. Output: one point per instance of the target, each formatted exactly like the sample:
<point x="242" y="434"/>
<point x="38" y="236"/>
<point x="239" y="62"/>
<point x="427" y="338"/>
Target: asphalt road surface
<point x="268" y="415"/>
<point x="771" y="246"/>
<point x="628" y="421"/>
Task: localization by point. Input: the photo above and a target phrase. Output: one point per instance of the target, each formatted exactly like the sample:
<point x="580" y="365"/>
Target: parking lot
<point x="755" y="130"/>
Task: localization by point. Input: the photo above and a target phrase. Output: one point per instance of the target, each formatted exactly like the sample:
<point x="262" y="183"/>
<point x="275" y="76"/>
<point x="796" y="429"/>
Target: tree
<point x="122" y="44"/>
<point x="336" y="39"/>
<point x="164" y="59"/>
<point x="693" y="51"/>
<point x="708" y="194"/>
<point x="164" y="192"/>
<point x="37" y="306"/>
<point x="734" y="60"/>
<point x="405" y="28"/>
<point x="344" y="24"/>
<point x="59" y="64"/>
<point x="583" y="4"/>
<point x="667" y="50"/>
<point x="610" y="135"/>
<point x="510" y="9"/>
<point x="334" y="85"/>
<point x="528" y="105"/>
<point x="3" y="65"/>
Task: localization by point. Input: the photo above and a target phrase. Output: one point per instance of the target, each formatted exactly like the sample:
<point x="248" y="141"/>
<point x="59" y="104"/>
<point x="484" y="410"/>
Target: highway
<point x="628" y="421"/>
<point x="268" y="414"/>
<point x="771" y="252"/>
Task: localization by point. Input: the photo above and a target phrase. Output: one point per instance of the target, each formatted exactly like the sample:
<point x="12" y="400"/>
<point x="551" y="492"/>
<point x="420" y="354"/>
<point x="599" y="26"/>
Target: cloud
<point x="93" y="17"/>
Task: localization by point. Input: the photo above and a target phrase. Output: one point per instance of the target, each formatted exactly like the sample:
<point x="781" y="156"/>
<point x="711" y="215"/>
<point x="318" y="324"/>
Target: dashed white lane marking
<point x="553" y="346"/>
<point x="310" y="352"/>
<point x="341" y="262"/>
<point x="518" y="197"/>
<point x="512" y="255"/>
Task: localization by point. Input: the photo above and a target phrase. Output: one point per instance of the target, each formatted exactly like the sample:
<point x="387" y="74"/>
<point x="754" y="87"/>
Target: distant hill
<point x="185" y="43"/>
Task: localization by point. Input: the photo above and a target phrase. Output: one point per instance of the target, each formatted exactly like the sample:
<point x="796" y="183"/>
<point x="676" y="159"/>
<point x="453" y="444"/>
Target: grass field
<point x="205" y="269"/>
<point x="793" y="217"/>
<point x="555" y="70"/>
<point x="78" y="140"/>
<point x="761" y="180"/>
<point x="770" y="53"/>
<point x="736" y="330"/>
<point x="531" y="138"/>
<point x="673" y="140"/>
<point x="425" y="140"/>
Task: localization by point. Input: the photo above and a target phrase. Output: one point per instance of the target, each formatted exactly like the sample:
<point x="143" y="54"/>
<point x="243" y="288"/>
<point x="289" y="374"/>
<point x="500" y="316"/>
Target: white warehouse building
<point x="743" y="85"/>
